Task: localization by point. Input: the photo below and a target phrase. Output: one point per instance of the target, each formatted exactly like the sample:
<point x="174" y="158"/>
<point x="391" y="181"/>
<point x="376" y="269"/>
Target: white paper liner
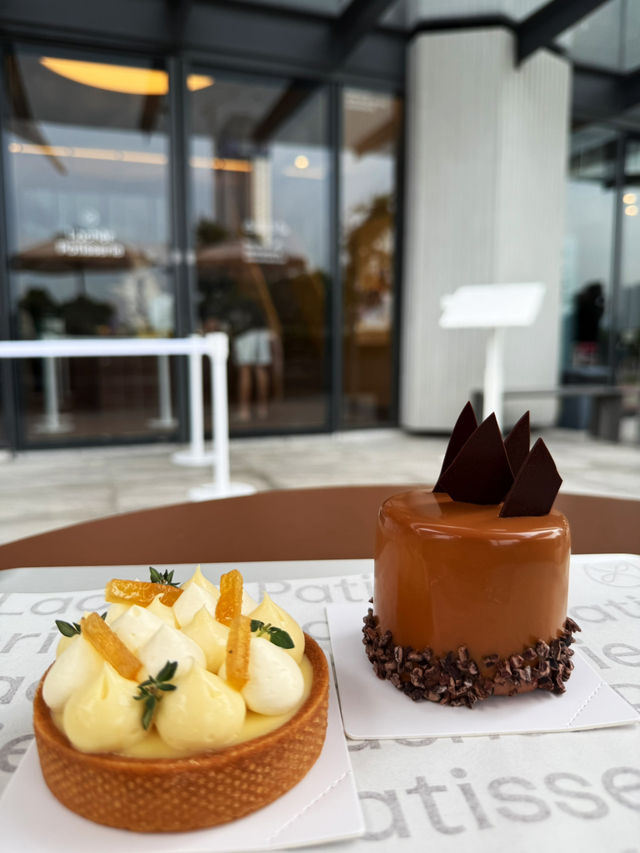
<point x="374" y="709"/>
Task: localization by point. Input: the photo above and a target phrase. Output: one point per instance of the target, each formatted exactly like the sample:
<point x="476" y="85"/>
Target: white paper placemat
<point x="526" y="793"/>
<point x="323" y="807"/>
<point x="373" y="708"/>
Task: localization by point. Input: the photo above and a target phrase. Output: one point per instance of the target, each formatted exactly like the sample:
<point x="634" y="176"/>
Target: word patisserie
<point x="471" y="579"/>
<point x="181" y="706"/>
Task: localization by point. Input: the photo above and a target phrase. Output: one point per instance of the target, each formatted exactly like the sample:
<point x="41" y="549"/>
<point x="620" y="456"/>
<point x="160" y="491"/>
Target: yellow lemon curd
<point x="96" y="708"/>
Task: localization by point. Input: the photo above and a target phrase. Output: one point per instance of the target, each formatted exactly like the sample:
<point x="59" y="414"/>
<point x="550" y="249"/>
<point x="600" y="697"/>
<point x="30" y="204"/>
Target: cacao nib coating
<point x="455" y="679"/>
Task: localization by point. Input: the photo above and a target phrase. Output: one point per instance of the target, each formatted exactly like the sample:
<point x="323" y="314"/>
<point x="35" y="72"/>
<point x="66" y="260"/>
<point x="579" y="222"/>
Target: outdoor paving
<point x="43" y="490"/>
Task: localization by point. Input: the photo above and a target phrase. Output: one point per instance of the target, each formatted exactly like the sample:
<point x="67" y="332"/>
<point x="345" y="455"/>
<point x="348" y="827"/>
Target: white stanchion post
<point x="494" y="374"/>
<point x="165" y="419"/>
<point x="221" y="487"/>
<point x="195" y="455"/>
<point x="51" y="422"/>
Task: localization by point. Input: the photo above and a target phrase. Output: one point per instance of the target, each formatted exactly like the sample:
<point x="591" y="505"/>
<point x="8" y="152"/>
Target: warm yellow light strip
<point x="120" y="78"/>
<point x="221" y="164"/>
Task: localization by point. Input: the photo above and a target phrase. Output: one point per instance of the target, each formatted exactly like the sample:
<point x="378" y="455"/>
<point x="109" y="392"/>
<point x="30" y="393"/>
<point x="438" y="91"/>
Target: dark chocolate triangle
<point x="464" y="427"/>
<point x="536" y="485"/>
<point x="517" y="443"/>
<point x="480" y="473"/>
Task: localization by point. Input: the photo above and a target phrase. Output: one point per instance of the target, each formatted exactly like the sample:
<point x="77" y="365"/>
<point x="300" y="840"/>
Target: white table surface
<point x="577" y="791"/>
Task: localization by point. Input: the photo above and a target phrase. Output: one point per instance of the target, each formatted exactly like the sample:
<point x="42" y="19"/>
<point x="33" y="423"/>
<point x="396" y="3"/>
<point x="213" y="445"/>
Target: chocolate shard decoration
<point x="517" y="443"/>
<point x="464" y="427"/>
<point x="536" y="485"/>
<point x="480" y="472"/>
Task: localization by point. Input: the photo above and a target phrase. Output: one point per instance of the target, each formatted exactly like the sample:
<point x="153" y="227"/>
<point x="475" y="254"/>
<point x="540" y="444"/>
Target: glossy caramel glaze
<point x="449" y="574"/>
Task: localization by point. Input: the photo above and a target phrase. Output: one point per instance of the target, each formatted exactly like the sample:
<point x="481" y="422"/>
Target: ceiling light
<point x="632" y="210"/>
<point x="629" y="198"/>
<point x="301" y="162"/>
<point x="120" y="78"/>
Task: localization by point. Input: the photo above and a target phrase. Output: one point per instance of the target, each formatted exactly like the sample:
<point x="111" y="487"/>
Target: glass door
<point x="259" y="163"/>
<point x="372" y="133"/>
<point x="627" y="342"/>
<point x="87" y="165"/>
<point x="587" y="286"/>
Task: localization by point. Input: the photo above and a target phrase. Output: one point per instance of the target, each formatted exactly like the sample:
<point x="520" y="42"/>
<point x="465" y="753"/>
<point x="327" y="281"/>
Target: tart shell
<point x="178" y="794"/>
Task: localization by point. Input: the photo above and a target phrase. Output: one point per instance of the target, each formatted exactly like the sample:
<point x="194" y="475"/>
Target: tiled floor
<point x="42" y="490"/>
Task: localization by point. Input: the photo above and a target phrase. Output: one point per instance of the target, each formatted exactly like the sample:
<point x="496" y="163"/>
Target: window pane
<point x="372" y="130"/>
<point x="260" y="190"/>
<point x="88" y="188"/>
<point x="587" y="256"/>
<point x="628" y="313"/>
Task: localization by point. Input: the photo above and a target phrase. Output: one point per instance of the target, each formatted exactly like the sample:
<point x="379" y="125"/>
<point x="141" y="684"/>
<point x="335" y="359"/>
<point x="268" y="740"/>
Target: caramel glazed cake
<point x="471" y="579"/>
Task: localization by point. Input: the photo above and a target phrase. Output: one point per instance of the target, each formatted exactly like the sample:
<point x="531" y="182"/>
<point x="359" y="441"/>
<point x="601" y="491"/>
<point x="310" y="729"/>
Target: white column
<point x="486" y="165"/>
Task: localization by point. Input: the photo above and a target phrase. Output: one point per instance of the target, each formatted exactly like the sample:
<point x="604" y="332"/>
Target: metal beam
<point x="354" y="24"/>
<point x="629" y="88"/>
<point x="358" y="20"/>
<point x="541" y="28"/>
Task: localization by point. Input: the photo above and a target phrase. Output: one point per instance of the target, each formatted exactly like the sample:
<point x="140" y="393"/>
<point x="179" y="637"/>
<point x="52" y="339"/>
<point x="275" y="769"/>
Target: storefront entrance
<point x="147" y="197"/>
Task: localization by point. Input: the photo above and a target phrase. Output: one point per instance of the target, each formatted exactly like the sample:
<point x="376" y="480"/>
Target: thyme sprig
<point x="152" y="689"/>
<point x="277" y="636"/>
<point x="70" y="629"/>
<point x="165" y="577"/>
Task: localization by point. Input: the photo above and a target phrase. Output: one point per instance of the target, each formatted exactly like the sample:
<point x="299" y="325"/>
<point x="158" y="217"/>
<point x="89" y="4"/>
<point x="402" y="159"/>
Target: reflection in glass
<point x="628" y="313"/>
<point x="586" y="285"/>
<point x="372" y="127"/>
<point x="260" y="187"/>
<point x="88" y="182"/>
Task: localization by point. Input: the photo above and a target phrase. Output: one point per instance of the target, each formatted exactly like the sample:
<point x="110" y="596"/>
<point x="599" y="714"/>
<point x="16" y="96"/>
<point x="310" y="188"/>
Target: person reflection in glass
<point x="589" y="308"/>
<point x="226" y="308"/>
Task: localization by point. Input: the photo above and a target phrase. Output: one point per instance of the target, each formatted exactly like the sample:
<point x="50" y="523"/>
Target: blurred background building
<point x="312" y="176"/>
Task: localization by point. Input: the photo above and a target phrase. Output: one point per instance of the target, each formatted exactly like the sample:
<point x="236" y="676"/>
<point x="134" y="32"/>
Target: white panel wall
<point x="485" y="167"/>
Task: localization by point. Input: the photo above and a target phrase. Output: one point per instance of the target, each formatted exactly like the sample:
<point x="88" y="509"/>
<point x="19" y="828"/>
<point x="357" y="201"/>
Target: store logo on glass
<point x="89" y="243"/>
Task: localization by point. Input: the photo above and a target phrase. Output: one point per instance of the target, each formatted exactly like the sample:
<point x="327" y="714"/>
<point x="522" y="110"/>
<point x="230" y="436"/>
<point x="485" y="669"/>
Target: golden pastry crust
<point x="202" y="790"/>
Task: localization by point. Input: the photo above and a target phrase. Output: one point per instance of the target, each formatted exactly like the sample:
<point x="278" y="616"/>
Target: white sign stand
<point x="495" y="307"/>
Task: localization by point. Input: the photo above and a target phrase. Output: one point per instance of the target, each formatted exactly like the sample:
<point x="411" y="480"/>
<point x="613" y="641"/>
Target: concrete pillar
<point x="485" y="187"/>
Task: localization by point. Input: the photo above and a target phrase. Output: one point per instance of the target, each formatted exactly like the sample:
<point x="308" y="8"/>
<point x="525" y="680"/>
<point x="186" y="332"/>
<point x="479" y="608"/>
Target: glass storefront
<point x="273" y="177"/>
<point x="372" y="124"/>
<point x="587" y="267"/>
<point x="87" y="153"/>
<point x="627" y="351"/>
<point x="601" y="268"/>
<point x="260" y="183"/>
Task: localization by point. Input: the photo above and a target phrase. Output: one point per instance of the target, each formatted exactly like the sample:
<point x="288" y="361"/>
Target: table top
<point x="293" y="524"/>
<point x="569" y="790"/>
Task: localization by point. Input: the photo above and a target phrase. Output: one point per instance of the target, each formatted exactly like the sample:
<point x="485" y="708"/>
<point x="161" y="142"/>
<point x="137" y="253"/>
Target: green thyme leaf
<point x="150" y="691"/>
<point x="278" y="636"/>
<point x="165" y="577"/>
<point x="168" y="671"/>
<point x="149" y="710"/>
<point x="68" y="629"/>
<point x="103" y="615"/>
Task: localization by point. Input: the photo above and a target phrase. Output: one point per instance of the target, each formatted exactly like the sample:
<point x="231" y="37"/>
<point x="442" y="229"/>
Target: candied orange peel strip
<point x="238" y="646"/>
<point x="120" y="591"/>
<point x="230" y="602"/>
<point x="110" y="646"/>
